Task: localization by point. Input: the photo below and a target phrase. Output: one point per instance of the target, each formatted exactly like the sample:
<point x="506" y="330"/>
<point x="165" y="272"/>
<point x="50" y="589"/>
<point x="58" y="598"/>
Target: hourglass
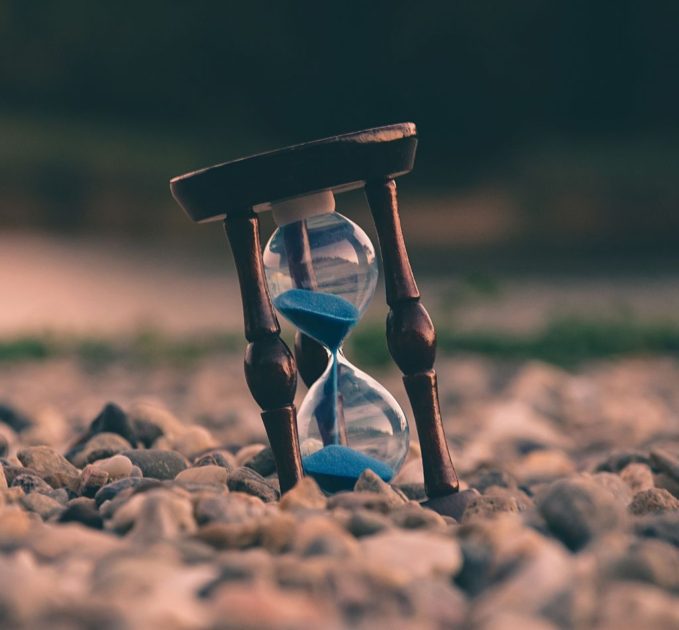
<point x="319" y="271"/>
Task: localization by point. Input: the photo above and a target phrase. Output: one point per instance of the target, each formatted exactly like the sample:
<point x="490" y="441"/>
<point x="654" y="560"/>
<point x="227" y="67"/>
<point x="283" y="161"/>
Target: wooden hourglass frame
<point x="372" y="159"/>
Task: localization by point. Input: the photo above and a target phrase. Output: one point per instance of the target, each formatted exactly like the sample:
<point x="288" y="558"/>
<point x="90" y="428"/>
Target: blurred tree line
<point x="100" y="103"/>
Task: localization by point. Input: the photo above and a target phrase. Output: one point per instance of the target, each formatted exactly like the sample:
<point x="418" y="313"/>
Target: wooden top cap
<point x="338" y="163"/>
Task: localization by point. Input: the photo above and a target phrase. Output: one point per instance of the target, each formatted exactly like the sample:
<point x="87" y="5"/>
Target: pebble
<point x="262" y="462"/>
<point x="488" y="505"/>
<point x="157" y="464"/>
<point x="634" y="605"/>
<point x="92" y="479"/>
<point x="235" y="507"/>
<point x="665" y="462"/>
<point x="209" y="475"/>
<point x="362" y="522"/>
<point x="541" y="466"/>
<point x="412" y="491"/>
<point x="111" y="490"/>
<point x="248" y="452"/>
<point x="14" y="525"/>
<point x="321" y="536"/>
<point x="660" y="525"/>
<point x="371" y="482"/>
<point x="217" y="458"/>
<point x="484" y="478"/>
<point x="112" y="419"/>
<point x="115" y="467"/>
<point x="151" y="413"/>
<point x="413" y="554"/>
<point x="305" y="495"/>
<point x="230" y="535"/>
<point x="41" y="504"/>
<point x="54" y="468"/>
<point x="614" y="484"/>
<point x="194" y="441"/>
<point x="248" y="481"/>
<point x="653" y="500"/>
<point x="14" y="419"/>
<point x="618" y="459"/>
<point x="100" y="446"/>
<point x="413" y="516"/>
<point x="651" y="561"/>
<point x="82" y="511"/>
<point x="578" y="510"/>
<point x="30" y="483"/>
<point x="637" y="477"/>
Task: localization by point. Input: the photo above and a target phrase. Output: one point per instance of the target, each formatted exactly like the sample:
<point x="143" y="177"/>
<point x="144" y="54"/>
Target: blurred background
<point x="541" y="216"/>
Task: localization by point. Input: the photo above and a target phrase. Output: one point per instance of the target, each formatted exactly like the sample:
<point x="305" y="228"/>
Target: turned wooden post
<point x="411" y="339"/>
<point x="269" y="366"/>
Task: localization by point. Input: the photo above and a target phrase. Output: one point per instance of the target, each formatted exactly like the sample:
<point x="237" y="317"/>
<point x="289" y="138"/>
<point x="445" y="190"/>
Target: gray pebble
<point x="577" y="510"/>
<point x="263" y="462"/>
<point x="82" y="511"/>
<point x="247" y="480"/>
<point x="157" y="464"/>
<point x="111" y="490"/>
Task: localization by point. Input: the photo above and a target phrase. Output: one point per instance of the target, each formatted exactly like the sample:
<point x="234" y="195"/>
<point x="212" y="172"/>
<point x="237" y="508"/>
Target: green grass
<point x="564" y="342"/>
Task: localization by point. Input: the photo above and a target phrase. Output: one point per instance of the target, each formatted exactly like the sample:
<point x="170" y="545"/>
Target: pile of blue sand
<point x="338" y="467"/>
<point x="325" y="317"/>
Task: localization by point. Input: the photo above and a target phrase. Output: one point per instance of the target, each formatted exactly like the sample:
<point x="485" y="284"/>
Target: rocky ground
<point x="161" y="509"/>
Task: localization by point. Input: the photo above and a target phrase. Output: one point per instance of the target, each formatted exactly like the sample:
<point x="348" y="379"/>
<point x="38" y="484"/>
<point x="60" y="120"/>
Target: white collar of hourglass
<point x="298" y="208"/>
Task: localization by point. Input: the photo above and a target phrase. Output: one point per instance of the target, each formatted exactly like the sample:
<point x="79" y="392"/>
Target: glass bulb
<point x="322" y="273"/>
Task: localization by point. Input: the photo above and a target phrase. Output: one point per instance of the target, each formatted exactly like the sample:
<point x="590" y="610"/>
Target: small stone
<point x="14" y="419"/>
<point x="617" y="460"/>
<point x="194" y="441"/>
<point x="154" y="414"/>
<point x="100" y="446"/>
<point x="413" y="554"/>
<point x="92" y="479"/>
<point x="116" y="467"/>
<point x="371" y="482"/>
<point x="230" y="535"/>
<point x="208" y="475"/>
<point x="665" y="462"/>
<point x="247" y="480"/>
<point x="660" y="525"/>
<point x="83" y="511"/>
<point x="487" y="506"/>
<point x="235" y="507"/>
<point x="540" y="466"/>
<point x="248" y="452"/>
<point x="29" y="483"/>
<point x="360" y="501"/>
<point x="637" y="477"/>
<point x="217" y="458"/>
<point x="157" y="464"/>
<point x="321" y="536"/>
<point x="3" y="479"/>
<point x="635" y="605"/>
<point x="111" y="490"/>
<point x="147" y="432"/>
<point x="14" y="524"/>
<point x="653" y="500"/>
<point x="361" y="522"/>
<point x="112" y="419"/>
<point x="414" y="516"/>
<point x="41" y="504"/>
<point x="305" y="495"/>
<point x="4" y="445"/>
<point x="651" y="561"/>
<point x="54" y="468"/>
<point x="163" y="515"/>
<point x="614" y="484"/>
<point x="578" y="510"/>
<point x="263" y="462"/>
<point x="277" y="532"/>
<point x="484" y="478"/>
<point x="413" y="491"/>
<point x="452" y="505"/>
<point x="663" y="480"/>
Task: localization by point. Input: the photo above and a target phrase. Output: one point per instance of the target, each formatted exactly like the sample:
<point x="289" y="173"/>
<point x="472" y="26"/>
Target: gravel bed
<point x="146" y="497"/>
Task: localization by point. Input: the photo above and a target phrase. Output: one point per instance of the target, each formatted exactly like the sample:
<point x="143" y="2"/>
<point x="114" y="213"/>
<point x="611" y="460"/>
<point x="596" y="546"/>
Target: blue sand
<point x="338" y="467"/>
<point x="327" y="318"/>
